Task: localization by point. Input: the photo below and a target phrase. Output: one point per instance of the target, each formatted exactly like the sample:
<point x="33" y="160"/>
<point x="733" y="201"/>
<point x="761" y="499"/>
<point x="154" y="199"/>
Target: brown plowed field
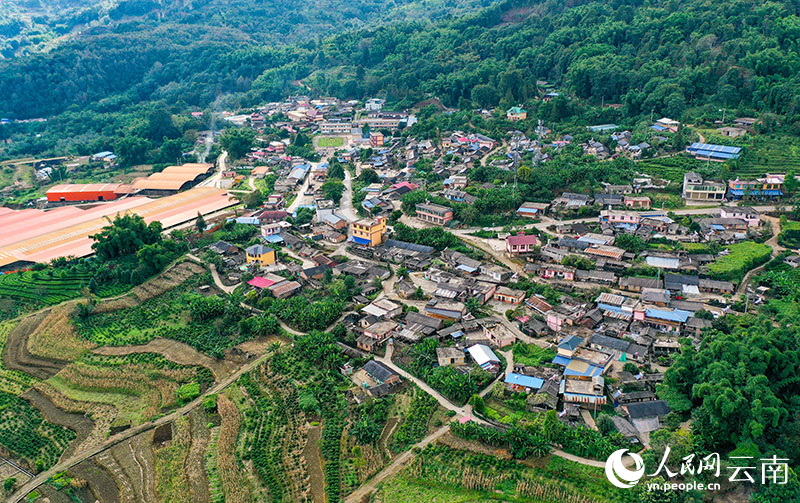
<point x="16" y="355"/>
<point x="99" y="481"/>
<point x="81" y="424"/>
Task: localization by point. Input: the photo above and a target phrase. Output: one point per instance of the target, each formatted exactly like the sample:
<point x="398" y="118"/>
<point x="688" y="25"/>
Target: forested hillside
<point x="661" y="57"/>
<point x="30" y="26"/>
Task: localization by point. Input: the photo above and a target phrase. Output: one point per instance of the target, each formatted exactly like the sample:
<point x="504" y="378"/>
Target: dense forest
<point x="647" y="55"/>
<point x="30" y="26"/>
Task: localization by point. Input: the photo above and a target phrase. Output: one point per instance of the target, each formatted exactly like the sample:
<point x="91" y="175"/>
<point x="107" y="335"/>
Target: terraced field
<point x="275" y="441"/>
<point x="138" y="386"/>
<point x="671" y="169"/>
<point x="27" y="436"/>
<point x="31" y="289"/>
<point x="12" y="381"/>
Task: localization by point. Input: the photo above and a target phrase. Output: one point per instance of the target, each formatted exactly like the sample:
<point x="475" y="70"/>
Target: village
<point x="576" y="305"/>
<point x="604" y="300"/>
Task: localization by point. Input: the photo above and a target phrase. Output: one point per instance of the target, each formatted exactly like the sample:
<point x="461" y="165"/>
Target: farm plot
<point x="28" y="436"/>
<point x="16" y="355"/>
<point x="31" y="289"/>
<point x="274" y="442"/>
<point x="440" y="473"/>
<point x="179" y="470"/>
<point x="171" y="481"/>
<point x="671" y="169"/>
<point x="138" y="386"/>
<point x="11" y="381"/>
<point x="228" y="482"/>
<point x="56" y="337"/>
<point x="170" y="315"/>
<point x="130" y="465"/>
<point x="98" y="480"/>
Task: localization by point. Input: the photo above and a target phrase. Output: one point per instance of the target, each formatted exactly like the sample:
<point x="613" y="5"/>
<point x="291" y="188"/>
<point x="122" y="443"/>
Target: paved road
<point x="301" y="198"/>
<point x="346" y="204"/>
<point x="213" y="180"/>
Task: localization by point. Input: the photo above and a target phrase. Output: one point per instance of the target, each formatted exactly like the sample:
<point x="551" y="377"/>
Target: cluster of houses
<point x="699" y="190"/>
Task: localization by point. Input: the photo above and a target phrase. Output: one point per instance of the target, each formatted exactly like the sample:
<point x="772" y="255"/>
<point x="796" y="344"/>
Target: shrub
<point x="188" y="392"/>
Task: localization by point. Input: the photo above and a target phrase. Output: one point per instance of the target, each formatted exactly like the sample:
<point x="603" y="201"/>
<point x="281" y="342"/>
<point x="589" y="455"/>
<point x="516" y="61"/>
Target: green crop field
<point x="30" y="289"/>
<point x="330" y="141"/>
<point x="669" y="168"/>
<point x="25" y="433"/>
<point x="440" y="473"/>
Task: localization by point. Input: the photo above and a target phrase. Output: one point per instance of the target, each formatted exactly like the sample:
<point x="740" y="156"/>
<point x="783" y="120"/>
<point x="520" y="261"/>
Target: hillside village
<point x="576" y="304"/>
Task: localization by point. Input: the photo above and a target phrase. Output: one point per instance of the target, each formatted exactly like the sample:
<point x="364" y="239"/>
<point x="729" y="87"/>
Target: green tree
<point x="333" y="190"/>
<point x="237" y="141"/>
<point x="200" y="223"/>
<point x="131" y="150"/>
<point x="125" y="236"/>
<point x="631" y="243"/>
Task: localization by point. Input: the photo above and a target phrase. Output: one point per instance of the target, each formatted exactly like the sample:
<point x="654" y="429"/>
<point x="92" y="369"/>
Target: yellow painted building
<point x="261" y="255"/>
<point x="368" y="231"/>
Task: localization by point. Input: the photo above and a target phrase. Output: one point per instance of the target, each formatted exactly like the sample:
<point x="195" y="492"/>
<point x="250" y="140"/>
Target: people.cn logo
<point x="618" y="474"/>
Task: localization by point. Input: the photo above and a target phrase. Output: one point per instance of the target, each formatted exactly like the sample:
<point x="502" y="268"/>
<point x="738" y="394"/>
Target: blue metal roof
<point x="361" y="241"/>
<point x="715" y="148"/>
<point x="561" y="360"/>
<point x="467" y="268"/>
<point x="523" y="380"/>
<point x="590" y="371"/>
<point x="273" y="238"/>
<point x="678" y="315"/>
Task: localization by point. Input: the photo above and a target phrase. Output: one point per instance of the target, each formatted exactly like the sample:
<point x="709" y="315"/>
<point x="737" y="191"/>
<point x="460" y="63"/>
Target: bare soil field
<point x="175" y="351"/>
<point x="314" y="462"/>
<point x="79" y="423"/>
<point x="16" y="355"/>
<point x="99" y="481"/>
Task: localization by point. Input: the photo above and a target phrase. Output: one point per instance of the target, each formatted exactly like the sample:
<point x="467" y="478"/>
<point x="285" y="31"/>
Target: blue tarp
<point x="361" y="241"/>
<point x="561" y="360"/>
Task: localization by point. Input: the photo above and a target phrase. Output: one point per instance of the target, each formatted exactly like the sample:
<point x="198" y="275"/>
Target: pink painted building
<point x="557" y="271"/>
<point x="521" y="244"/>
